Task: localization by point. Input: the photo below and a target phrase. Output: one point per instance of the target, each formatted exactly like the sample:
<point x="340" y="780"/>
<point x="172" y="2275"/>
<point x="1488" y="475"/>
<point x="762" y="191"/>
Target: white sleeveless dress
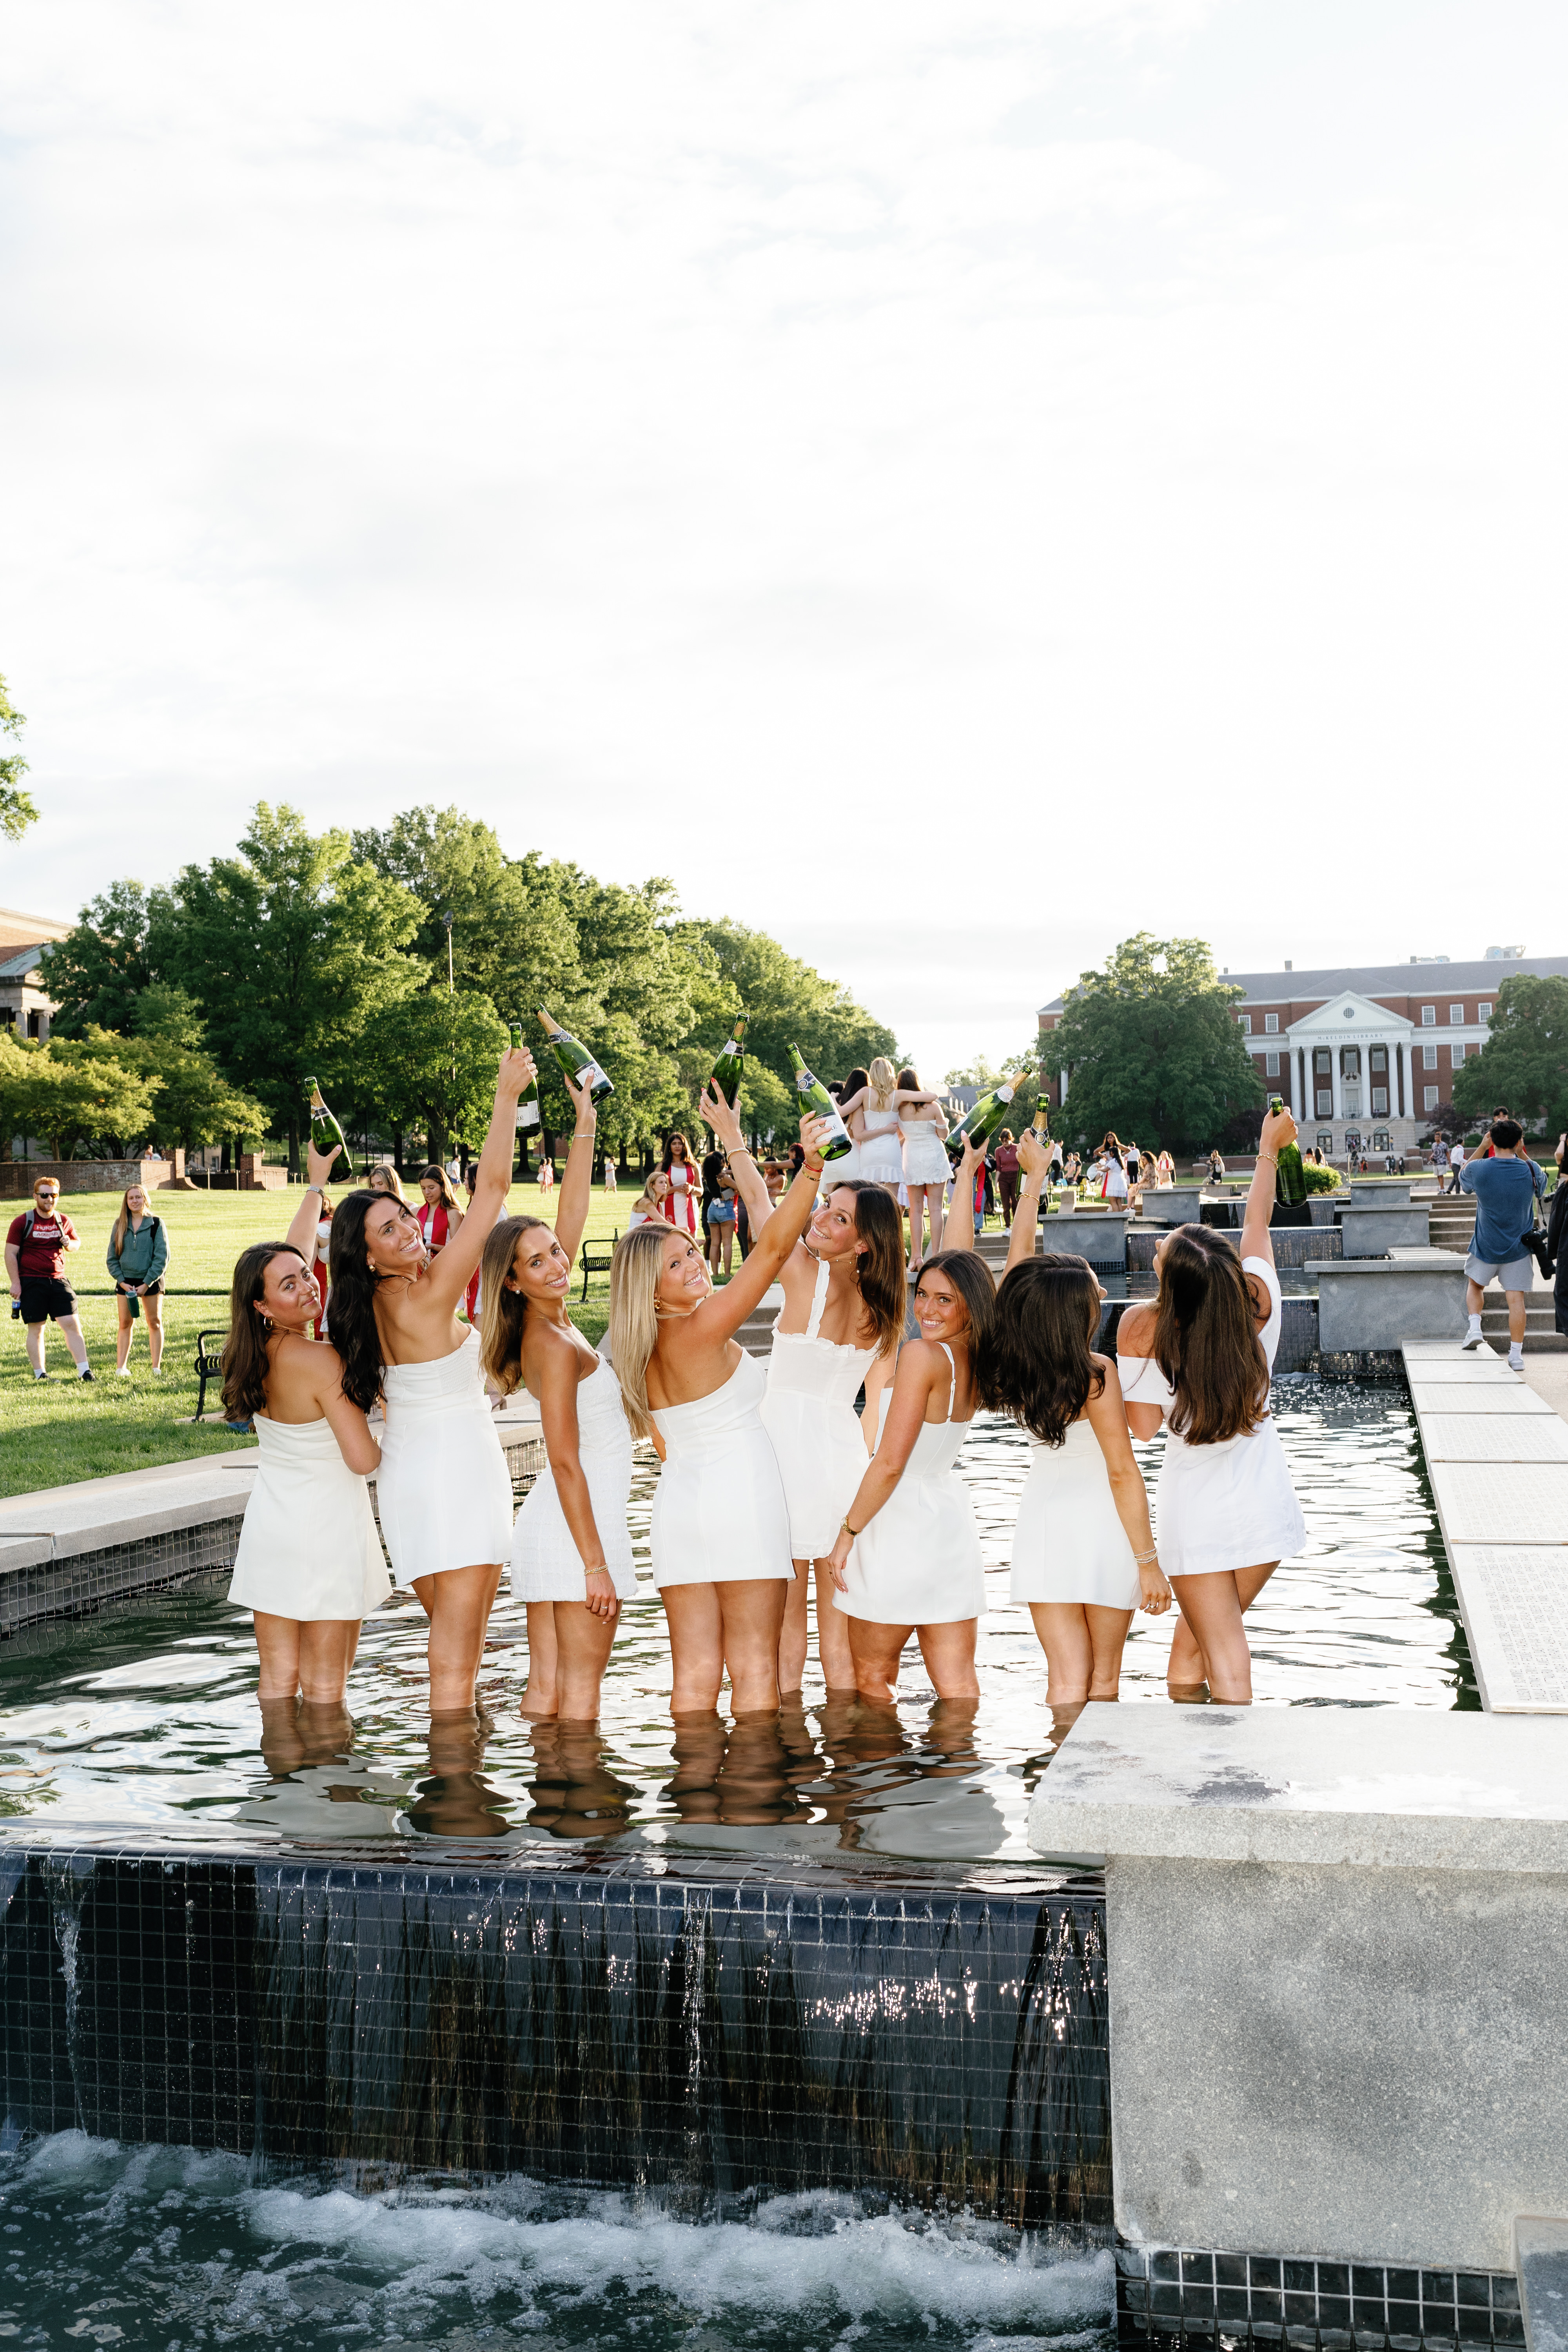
<point x="918" y="1562"/>
<point x="309" y="1548"/>
<point x="925" y="1160"/>
<point x="719" y="1510"/>
<point x="444" y="1492"/>
<point x="1068" y="1544"/>
<point x="881" y="1155"/>
<point x="1225" y="1507"/>
<point x="546" y="1564"/>
<point x="809" y="1416"/>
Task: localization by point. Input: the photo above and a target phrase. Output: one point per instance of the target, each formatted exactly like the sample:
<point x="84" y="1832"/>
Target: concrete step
<point x="1541" y="1337"/>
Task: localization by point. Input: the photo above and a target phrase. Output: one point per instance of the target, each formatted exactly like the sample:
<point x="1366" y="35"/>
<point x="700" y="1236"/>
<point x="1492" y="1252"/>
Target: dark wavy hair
<point x="1036" y="1363"/>
<point x="1205" y="1339"/>
<point x="448" y="1197"/>
<point x="505" y="1309"/>
<point x="354" y="1335"/>
<point x="245" y="1358"/>
<point x="878" y="1224"/>
<point x="975" y="1283"/>
<point x="851" y="1085"/>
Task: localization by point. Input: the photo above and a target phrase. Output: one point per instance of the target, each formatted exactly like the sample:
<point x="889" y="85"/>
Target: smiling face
<point x="940" y="1311"/>
<point x="832" y="1233"/>
<point x="136" y="1201"/>
<point x="683" y="1281"/>
<point x="392" y="1240"/>
<point x="289" y="1297"/>
<point x="541" y="1269"/>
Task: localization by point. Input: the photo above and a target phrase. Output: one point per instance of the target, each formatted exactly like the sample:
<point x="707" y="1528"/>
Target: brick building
<point x="1365" y="1055"/>
<point x="26" y="1007"/>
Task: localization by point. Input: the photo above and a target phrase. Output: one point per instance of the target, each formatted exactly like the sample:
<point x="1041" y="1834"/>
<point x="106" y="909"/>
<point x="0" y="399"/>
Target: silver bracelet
<point x="1153" y="1553"/>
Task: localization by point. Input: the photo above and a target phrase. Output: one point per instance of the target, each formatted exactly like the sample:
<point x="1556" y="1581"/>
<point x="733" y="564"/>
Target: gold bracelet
<point x="1272" y="1158"/>
<point x="844" y="1527"/>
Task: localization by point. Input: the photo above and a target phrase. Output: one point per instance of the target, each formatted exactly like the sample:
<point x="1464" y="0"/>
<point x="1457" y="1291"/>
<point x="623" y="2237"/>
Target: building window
<point x="1456" y="1056"/>
<point x="1429" y="1098"/>
<point x="1380" y="1102"/>
<point x="1379" y="1138"/>
<point x="1483" y="1013"/>
<point x="1323" y="1061"/>
<point x="1272" y="1024"/>
<point x="35" y="1025"/>
<point x="1379" y="1057"/>
<point x="1429" y="1016"/>
<point x="1325" y="1138"/>
<point x="1271" y="1065"/>
<point x="1244" y="1023"/>
<point x="1456" y="1016"/>
<point x="1325" y="1102"/>
<point x="1428" y="1057"/>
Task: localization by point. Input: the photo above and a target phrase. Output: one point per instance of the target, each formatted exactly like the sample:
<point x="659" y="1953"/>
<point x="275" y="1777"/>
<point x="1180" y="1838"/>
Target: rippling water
<point x="148" y="1717"/>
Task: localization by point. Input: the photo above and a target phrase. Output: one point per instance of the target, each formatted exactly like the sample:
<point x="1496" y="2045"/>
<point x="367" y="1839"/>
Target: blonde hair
<point x="635" y="1272"/>
<point x="883" y="1081"/>
<point x="390" y="1183"/>
<point x="505" y="1309"/>
<point x="123" y="1219"/>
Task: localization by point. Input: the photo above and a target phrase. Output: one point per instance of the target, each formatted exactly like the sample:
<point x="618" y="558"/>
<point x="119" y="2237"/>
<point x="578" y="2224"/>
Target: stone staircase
<point x="1451" y="1222"/>
<point x="1541" y="1337"/>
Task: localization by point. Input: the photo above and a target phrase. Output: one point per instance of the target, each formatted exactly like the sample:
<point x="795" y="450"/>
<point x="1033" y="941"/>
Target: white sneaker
<point x="1475" y="1339"/>
<point x="122" y="1372"/>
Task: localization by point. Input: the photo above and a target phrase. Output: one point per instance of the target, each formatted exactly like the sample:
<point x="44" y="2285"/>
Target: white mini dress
<point x="881" y="1154"/>
<point x="719" y="1510"/>
<point x="925" y="1160"/>
<point x="1068" y="1544"/>
<point x="1230" y="1506"/>
<point x="546" y="1564"/>
<point x="444" y="1492"/>
<point x="308" y="1547"/>
<point x="809" y="1414"/>
<point x="918" y="1562"/>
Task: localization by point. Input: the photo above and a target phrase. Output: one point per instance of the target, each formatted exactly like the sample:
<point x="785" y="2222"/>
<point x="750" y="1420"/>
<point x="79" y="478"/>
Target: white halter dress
<point x="809" y="1414"/>
<point x="309" y="1548"/>
<point x="881" y="1156"/>
<point x="1068" y="1544"/>
<point x="444" y="1492"/>
<point x="719" y="1510"/>
<point x="925" y="1160"/>
<point x="1224" y="1507"/>
<point x="918" y="1562"/>
<point x="546" y="1564"/>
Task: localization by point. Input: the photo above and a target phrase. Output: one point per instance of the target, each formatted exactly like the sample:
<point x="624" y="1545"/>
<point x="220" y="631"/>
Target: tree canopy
<point x="1152" y="1048"/>
<point x="1524" y="1062"/>
<point x="17" y="809"/>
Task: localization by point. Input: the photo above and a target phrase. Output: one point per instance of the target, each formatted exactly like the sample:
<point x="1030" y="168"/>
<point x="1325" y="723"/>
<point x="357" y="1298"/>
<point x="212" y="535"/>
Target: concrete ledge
<point x="1373" y="1231"/>
<point x="1541" y="2258"/>
<point x="1377" y="1305"/>
<point x="1101" y="1236"/>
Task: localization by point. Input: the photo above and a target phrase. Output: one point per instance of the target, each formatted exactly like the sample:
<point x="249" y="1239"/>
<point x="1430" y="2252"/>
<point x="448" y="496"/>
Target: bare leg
<point x="696" y="1647"/>
<point x="1211" y="1609"/>
<point x="918" y="1196"/>
<point x="70" y="1332"/>
<point x="458" y="1603"/>
<point x="583" y="1642"/>
<point x="1083" y="1649"/>
<point x="123" y="1334"/>
<point x="277" y="1647"/>
<point x="327" y="1645"/>
<point x="793" y="1633"/>
<point x="876" y="1650"/>
<point x="936" y="1198"/>
<point x="153" y="1309"/>
<point x="949" y="1653"/>
<point x="833" y="1652"/>
<point x="1515" y="1316"/>
<point x="36" y="1345"/>
<point x="540" y="1698"/>
<point x="751" y="1611"/>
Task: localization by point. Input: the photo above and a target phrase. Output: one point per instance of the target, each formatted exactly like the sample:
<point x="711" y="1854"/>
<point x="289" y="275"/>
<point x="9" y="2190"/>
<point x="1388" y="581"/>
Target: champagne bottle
<point x="730" y="1062"/>
<point x="1290" y="1176"/>
<point x="575" y="1060"/>
<point x="981" y="1122"/>
<point x="325" y="1132"/>
<point x="821" y="1105"/>
<point x="527" y="1100"/>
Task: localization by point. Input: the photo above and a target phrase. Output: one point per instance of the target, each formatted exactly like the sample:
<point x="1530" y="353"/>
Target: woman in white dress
<point x="444" y="1492"/>
<point x="839" y="1329"/>
<point x="881" y="1159"/>
<point x="906" y="1559"/>
<point x="1200" y="1357"/>
<point x="308" y="1565"/>
<point x="571" y="1552"/>
<point x="720" y="1522"/>
<point x="1083" y="1555"/>
<point x="921" y="1127"/>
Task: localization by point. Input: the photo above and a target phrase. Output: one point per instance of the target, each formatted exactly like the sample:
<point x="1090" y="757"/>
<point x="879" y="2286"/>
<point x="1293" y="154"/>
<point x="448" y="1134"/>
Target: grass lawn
<point x="53" y="1433"/>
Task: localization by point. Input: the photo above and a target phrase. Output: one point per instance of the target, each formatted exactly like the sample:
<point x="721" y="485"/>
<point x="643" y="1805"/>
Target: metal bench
<point x="596" y="1257"/>
<point x="209" y="1362"/>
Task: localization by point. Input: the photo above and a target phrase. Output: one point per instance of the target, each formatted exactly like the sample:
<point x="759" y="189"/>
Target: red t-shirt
<point x="42" y="1255"/>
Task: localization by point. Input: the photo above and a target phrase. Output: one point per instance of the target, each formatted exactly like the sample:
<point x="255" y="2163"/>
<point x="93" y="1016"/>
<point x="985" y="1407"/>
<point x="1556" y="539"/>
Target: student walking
<point x="36" y="1246"/>
<point x="137" y="1259"/>
<point x="1457" y="1169"/>
<point x="1507" y="1187"/>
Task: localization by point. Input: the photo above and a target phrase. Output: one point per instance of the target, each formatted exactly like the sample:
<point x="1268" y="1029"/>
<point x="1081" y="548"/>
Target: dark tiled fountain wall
<point x="1182" y="2294"/>
<point x="704" y="2029"/>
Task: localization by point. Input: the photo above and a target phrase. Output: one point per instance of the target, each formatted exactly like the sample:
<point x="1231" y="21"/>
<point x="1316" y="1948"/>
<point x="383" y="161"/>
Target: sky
<point x="952" y="485"/>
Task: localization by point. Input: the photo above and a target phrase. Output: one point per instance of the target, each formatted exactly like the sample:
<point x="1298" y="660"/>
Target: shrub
<point x="1320" y="1180"/>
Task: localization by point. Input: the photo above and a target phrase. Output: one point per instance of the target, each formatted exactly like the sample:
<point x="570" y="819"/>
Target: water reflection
<point x="148" y="1715"/>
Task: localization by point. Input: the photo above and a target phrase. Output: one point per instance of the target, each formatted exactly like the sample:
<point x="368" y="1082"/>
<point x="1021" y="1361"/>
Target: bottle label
<point x="1003" y="1094"/>
<point x="528" y="1114"/>
<point x="836" y="1127"/>
<point x="591" y="1075"/>
<point x="729" y="1052"/>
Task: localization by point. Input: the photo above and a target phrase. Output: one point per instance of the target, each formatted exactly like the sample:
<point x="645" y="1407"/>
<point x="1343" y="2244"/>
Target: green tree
<point x="69" y="1096"/>
<point x="17" y="809"/>
<point x="634" y="1004"/>
<point x="982" y="1073"/>
<point x="1153" y="1049"/>
<point x="294" y="951"/>
<point x="438" y="1065"/>
<point x="191" y="1102"/>
<point x="1524" y="1062"/>
<point x="786" y="1002"/>
<point x="513" y="940"/>
<point x="105" y="961"/>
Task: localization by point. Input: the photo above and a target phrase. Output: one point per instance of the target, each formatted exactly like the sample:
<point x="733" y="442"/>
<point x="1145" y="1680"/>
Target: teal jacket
<point x="142" y="1256"/>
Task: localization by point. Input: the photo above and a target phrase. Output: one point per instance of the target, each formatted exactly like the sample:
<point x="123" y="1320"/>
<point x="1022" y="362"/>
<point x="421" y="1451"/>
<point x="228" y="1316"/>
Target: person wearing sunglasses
<point x="35" y="1248"/>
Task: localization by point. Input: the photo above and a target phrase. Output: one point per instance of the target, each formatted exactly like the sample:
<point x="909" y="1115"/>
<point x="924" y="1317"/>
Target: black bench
<point x="209" y="1362"/>
<point x="596" y="1257"/>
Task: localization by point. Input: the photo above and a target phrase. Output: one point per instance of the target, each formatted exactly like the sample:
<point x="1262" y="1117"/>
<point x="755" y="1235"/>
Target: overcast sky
<point x="952" y="484"/>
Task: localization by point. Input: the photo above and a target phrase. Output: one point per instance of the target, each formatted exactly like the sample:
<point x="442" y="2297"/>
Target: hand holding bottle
<point x="583" y="1104"/>
<point x="1278" y="1129"/>
<point x="722" y="1118"/>
<point x="1035" y="1155"/>
<point x="516" y="1071"/>
<point x="814" y="1134"/>
<point x="971" y="1162"/>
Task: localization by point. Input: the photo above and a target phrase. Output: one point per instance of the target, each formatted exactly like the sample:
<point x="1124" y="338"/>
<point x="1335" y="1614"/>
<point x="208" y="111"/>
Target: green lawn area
<point x="54" y="1433"/>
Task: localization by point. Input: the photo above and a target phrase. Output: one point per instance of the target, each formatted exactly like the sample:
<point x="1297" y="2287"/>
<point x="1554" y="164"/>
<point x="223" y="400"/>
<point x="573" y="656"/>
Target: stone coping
<point x="1411" y="1788"/>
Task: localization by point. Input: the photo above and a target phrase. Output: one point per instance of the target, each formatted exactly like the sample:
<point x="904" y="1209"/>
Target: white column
<point x="1308" y="1100"/>
<point x="1064" y="1087"/>
<point x="1402" y="1099"/>
<point x="1336" y="1081"/>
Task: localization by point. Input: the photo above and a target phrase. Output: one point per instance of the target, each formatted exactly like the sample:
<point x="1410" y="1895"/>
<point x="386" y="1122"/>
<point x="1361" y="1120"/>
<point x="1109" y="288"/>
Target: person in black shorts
<point x="35" y="1249"/>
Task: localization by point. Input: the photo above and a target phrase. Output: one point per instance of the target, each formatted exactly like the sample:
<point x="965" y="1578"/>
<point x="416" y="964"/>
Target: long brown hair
<point x="123" y="1219"/>
<point x="975" y="1285"/>
<point x="448" y="1198"/>
<point x="245" y="1359"/>
<point x="880" y="1272"/>
<point x="1205" y="1339"/>
<point x="505" y="1309"/>
<point x="1037" y="1363"/>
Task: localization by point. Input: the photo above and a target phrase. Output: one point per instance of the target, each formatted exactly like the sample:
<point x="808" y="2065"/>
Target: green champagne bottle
<point x="730" y="1062"/>
<point x="1290" y="1176"/>
<point x="981" y="1122"/>
<point x="575" y="1060"/>
<point x="325" y="1132"/>
<point x="527" y="1100"/>
<point x="821" y="1105"/>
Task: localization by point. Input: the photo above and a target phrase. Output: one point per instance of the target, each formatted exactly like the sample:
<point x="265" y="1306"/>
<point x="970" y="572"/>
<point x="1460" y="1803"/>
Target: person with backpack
<point x="35" y="1248"/>
<point x="137" y="1259"/>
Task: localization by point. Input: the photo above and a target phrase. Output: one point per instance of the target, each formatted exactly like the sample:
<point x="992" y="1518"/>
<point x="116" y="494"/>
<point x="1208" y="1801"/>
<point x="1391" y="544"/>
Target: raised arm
<point x="721" y="1314"/>
<point x="301" y="1232"/>
<point x="958" y="1231"/>
<point x="449" y="1275"/>
<point x="578" y="1183"/>
<point x="749" y="1180"/>
<point x="1035" y="1160"/>
<point x="1278" y="1129"/>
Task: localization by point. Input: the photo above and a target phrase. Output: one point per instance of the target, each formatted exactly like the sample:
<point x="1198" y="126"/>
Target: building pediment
<point x="1345" y="1018"/>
